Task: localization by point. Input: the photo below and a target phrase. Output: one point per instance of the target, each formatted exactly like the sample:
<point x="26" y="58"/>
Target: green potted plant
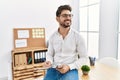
<point x="85" y="69"/>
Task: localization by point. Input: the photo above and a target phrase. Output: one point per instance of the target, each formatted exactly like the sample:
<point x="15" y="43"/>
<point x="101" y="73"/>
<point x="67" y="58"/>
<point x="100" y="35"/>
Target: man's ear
<point x="57" y="18"/>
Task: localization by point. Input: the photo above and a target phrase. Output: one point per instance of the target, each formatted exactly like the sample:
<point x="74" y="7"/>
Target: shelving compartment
<point x="22" y="59"/>
<point x="22" y="65"/>
<point x="39" y="56"/>
<point x="26" y="66"/>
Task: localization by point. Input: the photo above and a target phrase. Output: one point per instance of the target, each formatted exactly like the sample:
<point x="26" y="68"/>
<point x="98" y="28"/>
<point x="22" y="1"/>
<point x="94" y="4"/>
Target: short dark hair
<point x="61" y="8"/>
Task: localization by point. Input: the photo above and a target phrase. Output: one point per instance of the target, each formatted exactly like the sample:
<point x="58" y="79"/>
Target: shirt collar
<point x="68" y="32"/>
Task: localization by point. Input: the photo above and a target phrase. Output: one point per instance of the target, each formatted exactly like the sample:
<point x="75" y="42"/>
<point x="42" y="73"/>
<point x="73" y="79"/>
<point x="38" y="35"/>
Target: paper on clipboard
<point x="21" y="43"/>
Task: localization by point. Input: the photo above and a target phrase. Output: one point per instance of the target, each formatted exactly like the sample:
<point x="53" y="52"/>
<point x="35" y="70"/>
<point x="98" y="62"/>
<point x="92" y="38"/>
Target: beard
<point x="66" y="23"/>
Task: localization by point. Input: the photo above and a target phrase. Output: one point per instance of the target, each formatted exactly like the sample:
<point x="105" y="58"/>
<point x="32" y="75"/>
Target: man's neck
<point x="63" y="31"/>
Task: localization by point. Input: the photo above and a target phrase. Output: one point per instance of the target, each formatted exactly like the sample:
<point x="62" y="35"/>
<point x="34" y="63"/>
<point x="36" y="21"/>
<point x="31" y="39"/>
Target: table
<point x="101" y="72"/>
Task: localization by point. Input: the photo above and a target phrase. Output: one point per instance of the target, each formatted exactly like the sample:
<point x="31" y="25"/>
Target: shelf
<point x="24" y="66"/>
<point x="26" y="59"/>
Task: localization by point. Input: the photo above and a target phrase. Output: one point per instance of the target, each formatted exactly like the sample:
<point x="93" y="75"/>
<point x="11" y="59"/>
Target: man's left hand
<point x="63" y="69"/>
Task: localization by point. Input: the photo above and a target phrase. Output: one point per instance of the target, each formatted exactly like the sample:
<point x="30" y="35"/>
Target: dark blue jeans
<point x="53" y="74"/>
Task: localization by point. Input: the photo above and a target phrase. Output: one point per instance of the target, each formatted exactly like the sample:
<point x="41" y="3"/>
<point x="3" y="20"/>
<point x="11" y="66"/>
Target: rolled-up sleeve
<point x="50" y="52"/>
<point x="82" y="53"/>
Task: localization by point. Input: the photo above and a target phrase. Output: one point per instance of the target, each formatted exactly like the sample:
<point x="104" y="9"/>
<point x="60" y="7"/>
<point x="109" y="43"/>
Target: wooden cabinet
<point x="27" y="64"/>
<point x="29" y="53"/>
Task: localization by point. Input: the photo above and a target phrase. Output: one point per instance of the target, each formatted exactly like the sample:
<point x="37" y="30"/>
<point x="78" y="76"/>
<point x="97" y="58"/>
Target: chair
<point x="110" y="61"/>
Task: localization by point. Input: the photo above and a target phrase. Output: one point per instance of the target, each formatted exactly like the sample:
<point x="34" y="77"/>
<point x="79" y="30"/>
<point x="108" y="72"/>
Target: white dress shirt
<point x="67" y="50"/>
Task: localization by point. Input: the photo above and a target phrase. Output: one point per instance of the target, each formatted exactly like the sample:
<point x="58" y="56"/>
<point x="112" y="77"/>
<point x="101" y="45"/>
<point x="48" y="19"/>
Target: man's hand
<point x="63" y="68"/>
<point x="47" y="64"/>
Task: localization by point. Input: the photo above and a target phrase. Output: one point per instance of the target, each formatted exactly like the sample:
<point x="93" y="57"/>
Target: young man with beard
<point x="65" y="45"/>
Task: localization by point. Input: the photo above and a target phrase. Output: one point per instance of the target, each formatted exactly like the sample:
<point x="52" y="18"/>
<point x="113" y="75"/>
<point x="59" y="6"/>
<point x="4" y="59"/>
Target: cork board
<point x="29" y="37"/>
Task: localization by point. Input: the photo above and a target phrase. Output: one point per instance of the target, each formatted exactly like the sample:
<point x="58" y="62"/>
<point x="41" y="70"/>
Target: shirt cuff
<point x="72" y="66"/>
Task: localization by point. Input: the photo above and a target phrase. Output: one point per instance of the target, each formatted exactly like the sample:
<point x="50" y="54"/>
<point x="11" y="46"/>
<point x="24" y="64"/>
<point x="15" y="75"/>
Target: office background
<point x="41" y="13"/>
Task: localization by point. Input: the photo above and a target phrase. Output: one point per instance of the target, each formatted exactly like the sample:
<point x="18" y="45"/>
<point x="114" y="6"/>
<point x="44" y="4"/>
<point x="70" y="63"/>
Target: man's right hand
<point x="47" y="64"/>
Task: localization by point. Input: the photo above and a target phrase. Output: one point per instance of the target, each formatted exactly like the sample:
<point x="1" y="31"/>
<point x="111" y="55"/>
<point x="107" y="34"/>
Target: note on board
<point x="23" y="33"/>
<point x="20" y="43"/>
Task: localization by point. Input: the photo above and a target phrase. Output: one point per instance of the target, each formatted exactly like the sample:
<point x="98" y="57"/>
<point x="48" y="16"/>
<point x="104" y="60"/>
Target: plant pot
<point x="85" y="72"/>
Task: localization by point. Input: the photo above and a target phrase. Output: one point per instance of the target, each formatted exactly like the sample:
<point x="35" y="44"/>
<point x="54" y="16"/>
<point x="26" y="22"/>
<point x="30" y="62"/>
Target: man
<point x="65" y="45"/>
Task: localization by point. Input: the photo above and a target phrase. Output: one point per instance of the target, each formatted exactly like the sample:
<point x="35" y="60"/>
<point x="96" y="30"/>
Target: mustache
<point x="67" y="20"/>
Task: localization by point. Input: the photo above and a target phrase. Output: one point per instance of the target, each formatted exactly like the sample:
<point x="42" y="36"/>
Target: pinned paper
<point x="23" y="33"/>
<point x="20" y="43"/>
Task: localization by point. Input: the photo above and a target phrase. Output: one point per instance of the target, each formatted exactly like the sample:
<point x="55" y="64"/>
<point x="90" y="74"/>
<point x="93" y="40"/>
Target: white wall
<point x="75" y="6"/>
<point x="24" y="13"/>
<point x="108" y="28"/>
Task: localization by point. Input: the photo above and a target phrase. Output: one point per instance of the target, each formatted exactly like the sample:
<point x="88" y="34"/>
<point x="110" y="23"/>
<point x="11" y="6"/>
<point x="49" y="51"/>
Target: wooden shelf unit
<point x="23" y="63"/>
<point x="29" y="53"/>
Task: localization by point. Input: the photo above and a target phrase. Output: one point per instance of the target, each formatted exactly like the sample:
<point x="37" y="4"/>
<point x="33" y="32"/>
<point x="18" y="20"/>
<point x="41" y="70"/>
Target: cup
<point x="92" y="60"/>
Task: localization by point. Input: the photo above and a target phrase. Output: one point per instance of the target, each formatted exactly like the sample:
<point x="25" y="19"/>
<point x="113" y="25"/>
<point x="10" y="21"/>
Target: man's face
<point x="65" y="18"/>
